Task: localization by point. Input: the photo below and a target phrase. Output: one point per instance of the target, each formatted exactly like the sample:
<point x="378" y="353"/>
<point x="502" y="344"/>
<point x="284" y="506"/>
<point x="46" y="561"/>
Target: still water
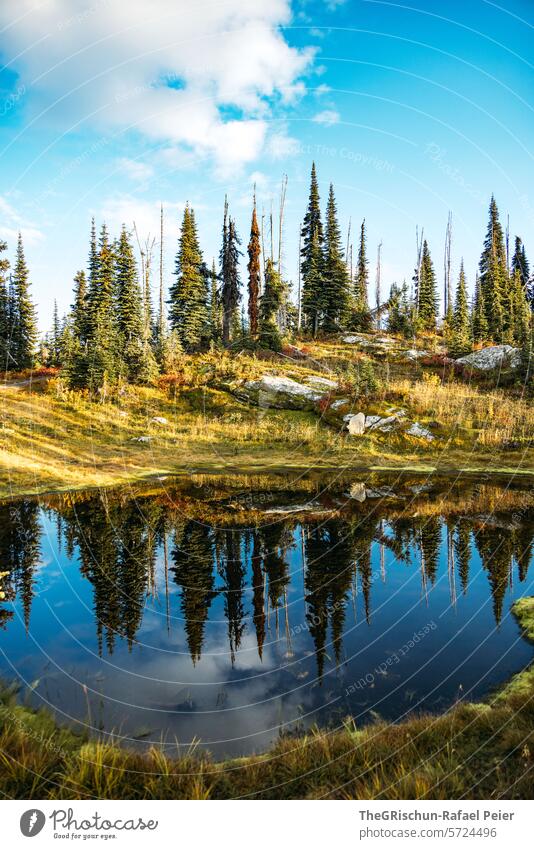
<point x="232" y="612"/>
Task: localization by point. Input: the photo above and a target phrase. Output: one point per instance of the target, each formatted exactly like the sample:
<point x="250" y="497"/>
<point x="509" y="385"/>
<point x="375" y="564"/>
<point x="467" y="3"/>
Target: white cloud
<point x="128" y="210"/>
<point x="202" y="77"/>
<point x="327" y="118"/>
<point x="12" y="223"/>
<point x="135" y="170"/>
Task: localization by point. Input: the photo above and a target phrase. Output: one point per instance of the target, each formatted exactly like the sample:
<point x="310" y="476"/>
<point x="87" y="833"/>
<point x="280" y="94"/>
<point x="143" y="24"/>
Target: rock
<point x="494" y="357"/>
<point x="141" y="439"/>
<point x="357" y="491"/>
<point x="322" y="383"/>
<point x="161" y="420"/>
<point x="412" y="354"/>
<point x="382" y="423"/>
<point x="355" y="424"/>
<point x="282" y="393"/>
<point x="341" y="402"/>
<point x="123" y="414"/>
<point x="419" y="432"/>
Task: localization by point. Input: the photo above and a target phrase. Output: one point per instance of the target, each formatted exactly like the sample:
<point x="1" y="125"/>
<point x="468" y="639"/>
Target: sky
<point x="412" y="109"/>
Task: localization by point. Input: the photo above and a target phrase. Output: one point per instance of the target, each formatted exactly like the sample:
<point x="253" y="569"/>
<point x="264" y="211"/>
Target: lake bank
<point x="483" y="750"/>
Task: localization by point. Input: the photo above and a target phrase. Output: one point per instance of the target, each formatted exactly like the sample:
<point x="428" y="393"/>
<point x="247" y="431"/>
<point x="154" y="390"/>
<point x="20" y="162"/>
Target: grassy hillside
<point x="52" y="438"/>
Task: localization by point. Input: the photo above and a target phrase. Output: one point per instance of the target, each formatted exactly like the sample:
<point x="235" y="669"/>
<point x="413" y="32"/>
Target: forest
<point x="118" y="331"/>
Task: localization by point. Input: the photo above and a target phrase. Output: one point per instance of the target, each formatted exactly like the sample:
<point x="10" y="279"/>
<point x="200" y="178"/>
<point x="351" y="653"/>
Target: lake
<point x="232" y="610"/>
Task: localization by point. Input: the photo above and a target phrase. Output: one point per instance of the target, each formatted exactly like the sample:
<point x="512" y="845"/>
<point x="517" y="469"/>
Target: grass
<point x="53" y="439"/>
<point x="478" y="751"/>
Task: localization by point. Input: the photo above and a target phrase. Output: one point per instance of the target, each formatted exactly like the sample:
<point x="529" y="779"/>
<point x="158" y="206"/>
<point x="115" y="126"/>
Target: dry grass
<point x="56" y="439"/>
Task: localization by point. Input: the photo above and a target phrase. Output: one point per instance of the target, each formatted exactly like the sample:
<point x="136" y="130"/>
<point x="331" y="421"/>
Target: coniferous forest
<point x="124" y="326"/>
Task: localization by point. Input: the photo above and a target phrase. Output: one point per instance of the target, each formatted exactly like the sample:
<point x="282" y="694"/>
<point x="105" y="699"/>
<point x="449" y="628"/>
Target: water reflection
<point x="285" y="579"/>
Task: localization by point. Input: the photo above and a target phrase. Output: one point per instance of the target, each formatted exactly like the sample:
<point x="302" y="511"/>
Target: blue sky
<point x="411" y="109"/>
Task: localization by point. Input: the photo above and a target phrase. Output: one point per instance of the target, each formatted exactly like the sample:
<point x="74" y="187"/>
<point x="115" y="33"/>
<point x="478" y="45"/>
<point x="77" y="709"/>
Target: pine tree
<point x="427" y="295"/>
<point x="336" y="278"/>
<point x="100" y="366"/>
<point x="460" y="321"/>
<point x="24" y="329"/>
<point x="361" y="317"/>
<point x="494" y="277"/>
<point x="312" y="259"/>
<point x="79" y="307"/>
<point x="520" y="262"/>
<point x="188" y="313"/>
<point x="254" y="252"/>
<point x="4" y="311"/>
<point x="270" y="302"/>
<point x="231" y="284"/>
<point x="55" y="341"/>
<point x="478" y="318"/>
<point x="136" y="353"/>
<point x="215" y="305"/>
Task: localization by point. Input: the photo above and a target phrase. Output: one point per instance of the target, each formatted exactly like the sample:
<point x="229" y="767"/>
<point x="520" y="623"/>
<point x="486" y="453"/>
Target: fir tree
<point x="427" y="294"/>
<point x="188" y="313"/>
<point x="254" y="252"/>
<point x="101" y="363"/>
<point x="79" y="307"/>
<point x="215" y="305"/>
<point x="336" y="279"/>
<point x="478" y="320"/>
<point x="312" y="259"/>
<point x="4" y="311"/>
<point x="361" y="318"/>
<point x="231" y="284"/>
<point x="136" y="353"/>
<point x="24" y="327"/>
<point x="494" y="274"/>
<point x="55" y="341"/>
<point x="271" y="299"/>
<point x="520" y="262"/>
<point x="460" y="322"/>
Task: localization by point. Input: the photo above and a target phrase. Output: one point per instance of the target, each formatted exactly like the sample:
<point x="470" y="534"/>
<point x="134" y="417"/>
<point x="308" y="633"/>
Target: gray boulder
<point x="494" y="357"/>
<point x="281" y="393"/>
<point x="420" y="432"/>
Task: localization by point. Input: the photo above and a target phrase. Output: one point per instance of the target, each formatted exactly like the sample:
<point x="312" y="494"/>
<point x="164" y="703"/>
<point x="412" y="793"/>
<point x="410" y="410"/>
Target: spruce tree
<point x="24" y="329"/>
<point x="55" y="341"/>
<point x="312" y="259"/>
<point x="270" y="302"/>
<point x="460" y="321"/>
<point x="215" y="305"/>
<point x="188" y="313"/>
<point x="494" y="277"/>
<point x="254" y="252"/>
<point x="478" y="319"/>
<point x="79" y="307"/>
<point x="336" y="278"/>
<point x="4" y="311"/>
<point x="137" y="356"/>
<point x="231" y="284"/>
<point x="520" y="262"/>
<point x="427" y="295"/>
<point x="361" y="318"/>
<point x="102" y="350"/>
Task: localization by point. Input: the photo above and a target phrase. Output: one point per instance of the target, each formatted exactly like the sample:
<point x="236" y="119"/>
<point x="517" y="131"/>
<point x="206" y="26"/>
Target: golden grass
<point x="58" y="440"/>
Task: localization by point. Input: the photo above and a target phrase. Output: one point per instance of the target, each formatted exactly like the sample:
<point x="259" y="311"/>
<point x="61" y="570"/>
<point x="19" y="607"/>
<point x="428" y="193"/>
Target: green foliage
<point x="335" y="275"/>
<point x="494" y="275"/>
<point x="400" y="311"/>
<point x="360" y="314"/>
<point x="312" y="259"/>
<point x="270" y="302"/>
<point x="24" y="322"/>
<point x="4" y="310"/>
<point x="188" y="313"/>
<point x="427" y="296"/>
<point x="231" y="283"/>
<point x="460" y="323"/>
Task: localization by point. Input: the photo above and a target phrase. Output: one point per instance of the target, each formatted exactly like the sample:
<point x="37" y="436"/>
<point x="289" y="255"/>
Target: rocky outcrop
<point x="282" y="393"/>
<point x="420" y="432"/>
<point x="323" y="384"/>
<point x="495" y="357"/>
